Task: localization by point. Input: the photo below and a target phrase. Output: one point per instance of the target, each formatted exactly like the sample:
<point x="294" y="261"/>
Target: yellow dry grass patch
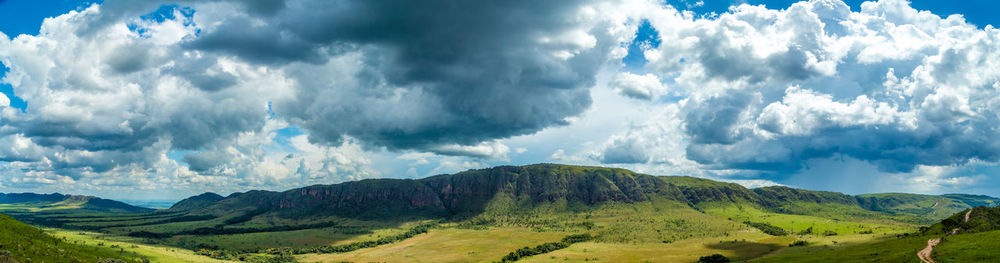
<point x="739" y="246"/>
<point x="446" y="245"/>
<point x="154" y="253"/>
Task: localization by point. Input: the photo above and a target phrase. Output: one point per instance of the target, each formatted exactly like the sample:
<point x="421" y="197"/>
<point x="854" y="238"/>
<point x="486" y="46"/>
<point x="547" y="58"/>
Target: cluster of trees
<point x="186" y="218"/>
<point x="546" y="248"/>
<point x="247" y="216"/>
<point x="284" y="256"/>
<point x="768" y="228"/>
<point x="420" y="229"/>
<point x="221" y="230"/>
<point x="798" y="243"/>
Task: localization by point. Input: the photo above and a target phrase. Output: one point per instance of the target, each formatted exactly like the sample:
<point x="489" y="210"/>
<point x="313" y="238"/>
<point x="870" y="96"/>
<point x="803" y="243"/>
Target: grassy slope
<point x="29" y="244"/>
<point x="978" y="247"/>
<point x="883" y="249"/>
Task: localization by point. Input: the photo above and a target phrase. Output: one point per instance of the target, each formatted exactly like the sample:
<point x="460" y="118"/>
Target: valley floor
<point x="457" y="242"/>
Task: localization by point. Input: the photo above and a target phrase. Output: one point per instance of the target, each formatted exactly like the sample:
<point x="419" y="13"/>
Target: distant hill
<point x="195" y="202"/>
<point x="469" y="192"/>
<point x="23" y="243"/>
<point x="30" y="202"/>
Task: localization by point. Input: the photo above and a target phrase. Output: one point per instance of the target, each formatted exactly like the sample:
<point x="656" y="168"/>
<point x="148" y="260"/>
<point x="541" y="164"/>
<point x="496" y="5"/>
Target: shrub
<point x="768" y="228"/>
<point x="577" y="238"/>
<point x="420" y="229"/>
<point x="798" y="243"/>
<point x="829" y="233"/>
<point x="715" y="258"/>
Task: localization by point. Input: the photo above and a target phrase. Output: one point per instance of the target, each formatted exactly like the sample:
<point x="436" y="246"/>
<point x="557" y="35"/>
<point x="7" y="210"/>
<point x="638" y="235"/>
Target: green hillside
<point x="23" y="243"/>
<point x="468" y="193"/>
<point x="196" y="202"/>
<point x="485" y="214"/>
<point x="961" y="240"/>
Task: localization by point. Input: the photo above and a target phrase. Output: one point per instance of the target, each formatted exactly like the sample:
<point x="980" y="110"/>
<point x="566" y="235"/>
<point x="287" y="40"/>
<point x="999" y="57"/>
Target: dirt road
<point x="925" y="254"/>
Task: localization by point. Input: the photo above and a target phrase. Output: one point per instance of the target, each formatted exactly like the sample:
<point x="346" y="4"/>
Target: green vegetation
<point x="23" y="243"/>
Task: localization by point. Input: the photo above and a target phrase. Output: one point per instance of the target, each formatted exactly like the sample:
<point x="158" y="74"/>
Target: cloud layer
<point x="891" y="85"/>
<point x="249" y="94"/>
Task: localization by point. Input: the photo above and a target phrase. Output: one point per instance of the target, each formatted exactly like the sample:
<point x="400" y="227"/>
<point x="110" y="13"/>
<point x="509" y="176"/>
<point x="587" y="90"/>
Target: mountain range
<point x="468" y="193"/>
<point x="57" y="201"/>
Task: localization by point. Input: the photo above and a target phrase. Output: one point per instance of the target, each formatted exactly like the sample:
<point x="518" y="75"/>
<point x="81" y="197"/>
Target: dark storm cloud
<point x="477" y="71"/>
<point x="443" y="76"/>
<point x="488" y="70"/>
<point x="716" y="120"/>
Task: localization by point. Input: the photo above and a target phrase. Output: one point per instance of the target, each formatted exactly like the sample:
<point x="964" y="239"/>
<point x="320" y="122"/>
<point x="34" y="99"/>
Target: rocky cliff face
<point x="470" y="191"/>
<point x="367" y="198"/>
<point x="467" y="192"/>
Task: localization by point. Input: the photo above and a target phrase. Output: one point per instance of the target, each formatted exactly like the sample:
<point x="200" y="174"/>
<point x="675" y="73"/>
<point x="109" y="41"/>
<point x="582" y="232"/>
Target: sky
<point x="160" y="100"/>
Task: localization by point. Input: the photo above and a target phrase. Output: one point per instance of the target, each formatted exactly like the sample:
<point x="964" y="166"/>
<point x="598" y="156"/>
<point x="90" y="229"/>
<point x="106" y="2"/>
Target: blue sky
<point x="144" y="100"/>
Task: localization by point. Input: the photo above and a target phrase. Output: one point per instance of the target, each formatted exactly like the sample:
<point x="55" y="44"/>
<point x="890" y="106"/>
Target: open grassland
<point x="863" y="249"/>
<point x="978" y="247"/>
<point x="155" y="253"/>
<point x="654" y="221"/>
<point x="305" y="238"/>
<point x="841" y="225"/>
<point x="739" y="246"/>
